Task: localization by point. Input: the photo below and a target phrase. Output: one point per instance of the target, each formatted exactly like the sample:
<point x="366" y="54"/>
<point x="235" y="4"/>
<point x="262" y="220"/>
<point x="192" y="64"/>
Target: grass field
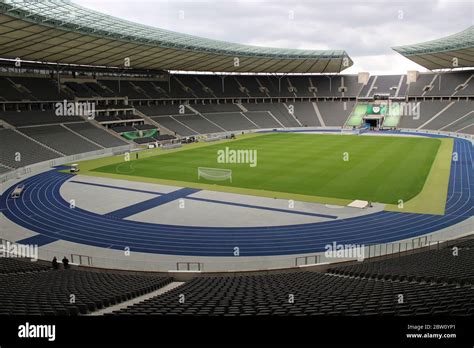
<point x="379" y="169"/>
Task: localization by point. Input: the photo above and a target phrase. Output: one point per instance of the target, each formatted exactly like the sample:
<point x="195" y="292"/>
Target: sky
<point x="366" y="29"/>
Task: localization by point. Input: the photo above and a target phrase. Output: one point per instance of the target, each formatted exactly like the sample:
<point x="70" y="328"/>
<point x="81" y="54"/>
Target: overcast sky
<point x="365" y="29"/>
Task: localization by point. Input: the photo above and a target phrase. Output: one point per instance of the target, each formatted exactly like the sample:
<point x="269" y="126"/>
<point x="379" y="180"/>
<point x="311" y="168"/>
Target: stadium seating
<point x="174" y="125"/>
<point x="427" y="282"/>
<point x="11" y="92"/>
<point x="432" y="266"/>
<point x="335" y="113"/>
<point x="445" y="84"/>
<point x="200" y="118"/>
<point x="99" y="89"/>
<point x="421" y="85"/>
<point x="169" y="109"/>
<point x="60" y="139"/>
<point x="352" y="85"/>
<point x="14" y="143"/>
<point x="33" y="118"/>
<point x="81" y="90"/>
<point x="313" y="294"/>
<point x="124" y="88"/>
<point x="153" y="89"/>
<point x="306" y="114"/>
<point x="213" y="84"/>
<point x="185" y="86"/>
<point x="427" y="109"/>
<point x="144" y="140"/>
<point x="432" y="282"/>
<point x="468" y="89"/>
<point x="211" y="108"/>
<point x="230" y="121"/>
<point x="97" y="135"/>
<point x="164" y="137"/>
<point x="41" y="89"/>
<point x="201" y="124"/>
<point x="262" y="119"/>
<point x="65" y="52"/>
<point x="385" y="84"/>
<point x="49" y="292"/>
<point x="455" y="118"/>
<point x="18" y="265"/>
<point x="144" y="126"/>
<point x="277" y="110"/>
<point x="121" y="129"/>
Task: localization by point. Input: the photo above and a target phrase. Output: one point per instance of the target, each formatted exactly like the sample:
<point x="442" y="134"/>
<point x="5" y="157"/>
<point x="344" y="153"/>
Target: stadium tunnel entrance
<point x="373" y="122"/>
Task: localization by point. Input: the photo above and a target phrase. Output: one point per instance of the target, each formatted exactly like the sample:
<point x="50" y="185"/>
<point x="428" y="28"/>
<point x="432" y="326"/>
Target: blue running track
<point x="43" y="210"/>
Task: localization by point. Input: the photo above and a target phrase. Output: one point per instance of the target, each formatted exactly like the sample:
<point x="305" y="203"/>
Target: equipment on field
<point x="18" y="191"/>
<point x="215" y="174"/>
<point x="74" y="168"/>
<point x="360" y="204"/>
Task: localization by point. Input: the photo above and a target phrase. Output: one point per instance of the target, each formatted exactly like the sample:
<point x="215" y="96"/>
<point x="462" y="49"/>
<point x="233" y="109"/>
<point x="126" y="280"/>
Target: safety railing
<point x="82" y="260"/>
<point x="190" y="266"/>
<point x="41" y="166"/>
<point x="307" y="260"/>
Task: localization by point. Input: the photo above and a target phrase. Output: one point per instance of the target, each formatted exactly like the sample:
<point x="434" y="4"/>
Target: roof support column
<point x="223" y="86"/>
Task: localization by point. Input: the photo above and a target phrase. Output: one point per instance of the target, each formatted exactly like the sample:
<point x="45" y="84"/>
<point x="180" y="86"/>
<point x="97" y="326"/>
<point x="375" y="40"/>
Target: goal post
<point x="214" y="174"/>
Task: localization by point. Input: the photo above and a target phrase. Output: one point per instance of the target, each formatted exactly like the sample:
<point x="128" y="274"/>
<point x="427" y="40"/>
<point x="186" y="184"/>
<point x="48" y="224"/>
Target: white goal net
<point x="214" y="174"/>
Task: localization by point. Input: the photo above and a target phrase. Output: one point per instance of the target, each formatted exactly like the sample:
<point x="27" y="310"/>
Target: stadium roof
<point x="64" y="32"/>
<point x="439" y="54"/>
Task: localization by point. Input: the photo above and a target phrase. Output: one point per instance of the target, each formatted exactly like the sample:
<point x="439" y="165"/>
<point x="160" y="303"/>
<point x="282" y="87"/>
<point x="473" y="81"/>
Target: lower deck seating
<point x="144" y="127"/>
<point x="49" y="292"/>
<point x="20" y="265"/>
<point x="262" y="119"/>
<point x="434" y="282"/>
<point x="434" y="266"/>
<point x="230" y="121"/>
<point x="174" y="125"/>
<point x="18" y="151"/>
<point x="60" y="139"/>
<point x="306" y="114"/>
<point x="455" y="118"/>
<point x="422" y="113"/>
<point x="96" y="134"/>
<point x="278" y="111"/>
<point x="144" y="140"/>
<point x="335" y="113"/>
<point x="198" y="123"/>
<point x="306" y="293"/>
<point x="164" y="137"/>
<point x="459" y="117"/>
<point x="122" y="129"/>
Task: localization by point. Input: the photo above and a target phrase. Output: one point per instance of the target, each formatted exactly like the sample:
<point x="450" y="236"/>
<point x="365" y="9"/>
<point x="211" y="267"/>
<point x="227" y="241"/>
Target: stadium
<point x="248" y="180"/>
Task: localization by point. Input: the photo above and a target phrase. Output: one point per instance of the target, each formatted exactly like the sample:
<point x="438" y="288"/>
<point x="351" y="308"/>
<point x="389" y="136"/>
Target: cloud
<point x="366" y="29"/>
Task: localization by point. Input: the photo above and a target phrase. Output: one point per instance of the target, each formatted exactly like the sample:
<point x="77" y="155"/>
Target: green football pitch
<point x="376" y="168"/>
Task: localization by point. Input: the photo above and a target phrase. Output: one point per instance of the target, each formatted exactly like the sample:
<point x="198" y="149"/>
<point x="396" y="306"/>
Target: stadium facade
<point x="58" y="52"/>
